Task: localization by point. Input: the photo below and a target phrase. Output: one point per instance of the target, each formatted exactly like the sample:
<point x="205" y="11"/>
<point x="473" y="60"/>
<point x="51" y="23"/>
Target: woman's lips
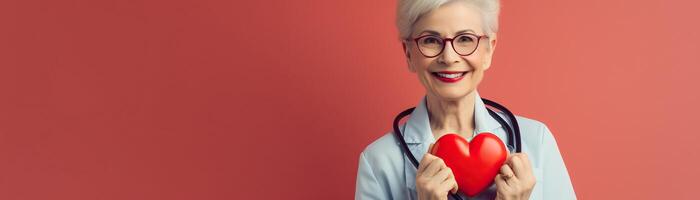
<point x="449" y="76"/>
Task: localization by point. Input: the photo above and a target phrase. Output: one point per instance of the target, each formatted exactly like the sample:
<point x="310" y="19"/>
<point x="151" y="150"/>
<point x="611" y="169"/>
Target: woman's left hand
<point x="515" y="181"/>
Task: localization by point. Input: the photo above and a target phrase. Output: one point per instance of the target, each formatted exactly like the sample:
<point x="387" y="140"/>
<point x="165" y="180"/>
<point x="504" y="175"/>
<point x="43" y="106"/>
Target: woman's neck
<point x="453" y="116"/>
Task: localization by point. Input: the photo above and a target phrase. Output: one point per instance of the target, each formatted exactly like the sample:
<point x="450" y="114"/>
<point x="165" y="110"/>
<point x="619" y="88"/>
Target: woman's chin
<point x="452" y="94"/>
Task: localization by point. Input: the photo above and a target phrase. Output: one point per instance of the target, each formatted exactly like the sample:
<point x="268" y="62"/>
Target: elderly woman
<point x="449" y="45"/>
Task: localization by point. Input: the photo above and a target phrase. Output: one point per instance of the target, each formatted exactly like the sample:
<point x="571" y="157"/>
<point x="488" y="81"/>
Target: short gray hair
<point x="409" y="11"/>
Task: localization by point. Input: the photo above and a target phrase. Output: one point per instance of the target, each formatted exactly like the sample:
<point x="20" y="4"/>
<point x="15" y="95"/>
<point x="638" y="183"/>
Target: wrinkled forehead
<point x="449" y="19"/>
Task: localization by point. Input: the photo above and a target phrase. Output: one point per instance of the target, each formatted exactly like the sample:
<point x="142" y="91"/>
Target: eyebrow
<point x="432" y="32"/>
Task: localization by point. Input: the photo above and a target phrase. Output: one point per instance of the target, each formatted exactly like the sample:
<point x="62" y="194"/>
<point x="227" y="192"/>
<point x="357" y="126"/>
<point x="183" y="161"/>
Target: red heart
<point x="474" y="164"/>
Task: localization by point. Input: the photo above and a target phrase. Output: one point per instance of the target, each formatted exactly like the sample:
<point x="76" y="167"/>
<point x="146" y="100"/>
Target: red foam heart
<point x="474" y="164"/>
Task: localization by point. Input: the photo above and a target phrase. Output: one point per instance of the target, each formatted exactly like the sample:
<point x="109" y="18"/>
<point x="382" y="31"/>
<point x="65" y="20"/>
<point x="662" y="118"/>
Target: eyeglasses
<point x="464" y="44"/>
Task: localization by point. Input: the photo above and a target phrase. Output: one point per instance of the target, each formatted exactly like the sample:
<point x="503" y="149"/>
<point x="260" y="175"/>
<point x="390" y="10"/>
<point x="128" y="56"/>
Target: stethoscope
<point x="512" y="129"/>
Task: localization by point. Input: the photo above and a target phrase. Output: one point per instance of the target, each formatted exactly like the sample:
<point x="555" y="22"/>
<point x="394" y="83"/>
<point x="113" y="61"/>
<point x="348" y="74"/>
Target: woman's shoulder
<point x="381" y="170"/>
<point x="385" y="148"/>
<point x="533" y="129"/>
<point x="536" y="138"/>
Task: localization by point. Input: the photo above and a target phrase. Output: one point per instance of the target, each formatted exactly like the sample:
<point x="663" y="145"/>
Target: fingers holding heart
<point x="427" y="165"/>
<point x="516" y="164"/>
<point x="507" y="186"/>
<point x="507" y="175"/>
<point x="520" y="164"/>
<point x="450" y="182"/>
<point x="434" y="179"/>
<point x="515" y="179"/>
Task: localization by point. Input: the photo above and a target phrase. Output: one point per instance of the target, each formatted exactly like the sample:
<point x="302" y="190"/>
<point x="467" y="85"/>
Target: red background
<point x="221" y="99"/>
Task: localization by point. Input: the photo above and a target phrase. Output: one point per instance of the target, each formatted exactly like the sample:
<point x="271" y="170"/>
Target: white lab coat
<point x="384" y="171"/>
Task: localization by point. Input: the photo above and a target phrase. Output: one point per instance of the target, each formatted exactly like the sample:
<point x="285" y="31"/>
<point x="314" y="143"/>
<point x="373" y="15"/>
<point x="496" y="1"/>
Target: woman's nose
<point x="449" y="55"/>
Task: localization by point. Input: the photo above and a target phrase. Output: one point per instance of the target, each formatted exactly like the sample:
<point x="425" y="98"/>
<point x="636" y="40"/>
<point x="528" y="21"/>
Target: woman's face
<point x="448" y="21"/>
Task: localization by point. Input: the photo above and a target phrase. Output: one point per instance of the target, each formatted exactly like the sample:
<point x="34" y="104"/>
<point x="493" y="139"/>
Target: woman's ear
<point x="408" y="57"/>
<point x="492" y="49"/>
<point x="405" y="50"/>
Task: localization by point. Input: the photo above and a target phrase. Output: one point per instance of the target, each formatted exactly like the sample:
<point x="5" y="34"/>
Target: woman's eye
<point x="465" y="39"/>
<point x="430" y="40"/>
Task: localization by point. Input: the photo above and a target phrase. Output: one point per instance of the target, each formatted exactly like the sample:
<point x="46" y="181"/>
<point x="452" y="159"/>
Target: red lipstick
<point x="449" y="76"/>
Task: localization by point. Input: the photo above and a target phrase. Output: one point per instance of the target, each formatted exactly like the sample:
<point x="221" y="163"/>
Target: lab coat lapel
<point x="418" y="136"/>
<point x="483" y="120"/>
<point x="485" y="123"/>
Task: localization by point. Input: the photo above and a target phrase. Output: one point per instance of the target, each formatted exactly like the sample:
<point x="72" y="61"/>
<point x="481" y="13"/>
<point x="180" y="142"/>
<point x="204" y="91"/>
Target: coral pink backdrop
<point x="212" y="99"/>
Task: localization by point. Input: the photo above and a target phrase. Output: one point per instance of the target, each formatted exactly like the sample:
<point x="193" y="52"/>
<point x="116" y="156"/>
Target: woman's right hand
<point x="434" y="179"/>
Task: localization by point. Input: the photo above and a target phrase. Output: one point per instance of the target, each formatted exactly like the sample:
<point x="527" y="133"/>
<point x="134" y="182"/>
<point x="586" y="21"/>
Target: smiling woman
<point x="450" y="75"/>
<point x="461" y="24"/>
